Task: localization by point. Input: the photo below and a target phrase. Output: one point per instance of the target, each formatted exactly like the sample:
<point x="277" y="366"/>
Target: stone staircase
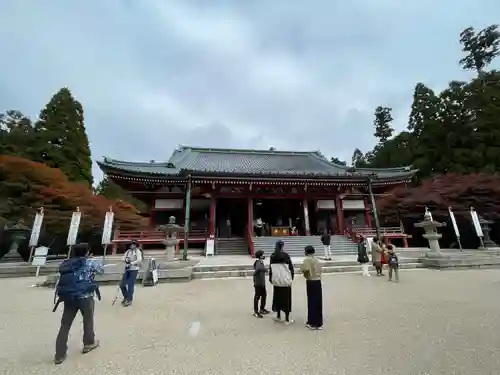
<point x="231" y="246"/>
<point x="294" y="245"/>
<point x="328" y="267"/>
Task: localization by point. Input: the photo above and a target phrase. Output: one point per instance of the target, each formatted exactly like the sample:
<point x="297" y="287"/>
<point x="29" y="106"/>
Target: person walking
<point x="326" y="240"/>
<point x="393" y="261"/>
<point x="311" y="269"/>
<point x="259" y="283"/>
<point x="377" y="256"/>
<point x="281" y="275"/>
<point x="363" y="257"/>
<point x="76" y="289"/>
<point x="133" y="262"/>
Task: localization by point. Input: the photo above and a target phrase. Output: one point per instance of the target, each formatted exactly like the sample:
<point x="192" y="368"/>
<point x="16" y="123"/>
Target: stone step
<point x="222" y="274"/>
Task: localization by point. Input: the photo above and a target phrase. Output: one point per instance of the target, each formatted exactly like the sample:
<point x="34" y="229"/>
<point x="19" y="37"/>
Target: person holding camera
<point x="133" y="261"/>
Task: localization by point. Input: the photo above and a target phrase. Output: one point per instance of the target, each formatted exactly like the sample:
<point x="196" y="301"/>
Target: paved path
<point x="433" y="322"/>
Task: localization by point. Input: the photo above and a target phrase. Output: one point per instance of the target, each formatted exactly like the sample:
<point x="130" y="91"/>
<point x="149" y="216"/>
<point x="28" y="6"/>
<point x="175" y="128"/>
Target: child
<point x="259" y="283"/>
<point x="393" y="262"/>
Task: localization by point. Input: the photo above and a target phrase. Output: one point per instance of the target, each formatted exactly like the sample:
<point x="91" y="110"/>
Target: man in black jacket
<point x="259" y="283"/>
<point x="326" y="240"/>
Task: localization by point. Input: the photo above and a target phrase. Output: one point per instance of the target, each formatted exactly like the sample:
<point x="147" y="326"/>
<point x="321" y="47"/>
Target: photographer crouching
<point x="133" y="262"/>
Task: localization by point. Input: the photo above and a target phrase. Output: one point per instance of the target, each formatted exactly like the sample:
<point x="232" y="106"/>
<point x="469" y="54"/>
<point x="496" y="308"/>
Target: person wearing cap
<point x="133" y="261"/>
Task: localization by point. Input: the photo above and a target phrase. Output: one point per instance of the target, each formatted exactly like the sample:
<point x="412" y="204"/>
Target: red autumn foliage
<point x="460" y="192"/>
<point x="26" y="185"/>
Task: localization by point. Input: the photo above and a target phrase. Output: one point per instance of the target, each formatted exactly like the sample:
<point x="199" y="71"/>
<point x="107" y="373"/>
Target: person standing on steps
<point x="377" y="255"/>
<point x="281" y="274"/>
<point x="133" y="262"/>
<point x="326" y="240"/>
<point x="259" y="283"/>
<point x="76" y="289"/>
<point x="311" y="269"/>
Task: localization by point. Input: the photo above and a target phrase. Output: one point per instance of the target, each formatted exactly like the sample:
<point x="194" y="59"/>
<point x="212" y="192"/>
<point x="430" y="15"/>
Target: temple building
<point x="226" y="193"/>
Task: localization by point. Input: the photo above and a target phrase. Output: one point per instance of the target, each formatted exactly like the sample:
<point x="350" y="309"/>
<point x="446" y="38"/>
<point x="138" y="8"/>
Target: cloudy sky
<point x="293" y="74"/>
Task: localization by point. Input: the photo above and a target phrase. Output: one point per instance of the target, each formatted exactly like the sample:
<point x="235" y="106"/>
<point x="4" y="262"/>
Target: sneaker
<point x="264" y="312"/>
<point x="123" y="302"/>
<point x="319" y="328"/>
<point x="58" y="361"/>
<point x="258" y="315"/>
<point x="309" y="326"/>
<point x="276" y="319"/>
<point x="289" y="322"/>
<point x="127" y="304"/>
<point x="88" y="348"/>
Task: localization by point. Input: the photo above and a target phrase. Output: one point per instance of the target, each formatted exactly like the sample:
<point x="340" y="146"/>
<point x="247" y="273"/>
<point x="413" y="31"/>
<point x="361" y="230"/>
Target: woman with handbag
<point x="281" y="275"/>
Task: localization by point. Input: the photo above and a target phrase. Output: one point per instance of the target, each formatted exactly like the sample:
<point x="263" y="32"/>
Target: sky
<point x="291" y="74"/>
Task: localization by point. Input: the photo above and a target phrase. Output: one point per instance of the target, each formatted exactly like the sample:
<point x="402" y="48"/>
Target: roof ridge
<point x="137" y="163"/>
<point x="250" y="151"/>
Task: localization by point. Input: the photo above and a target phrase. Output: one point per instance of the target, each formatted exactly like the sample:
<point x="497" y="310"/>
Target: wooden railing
<point x="153" y="236"/>
<point x="358" y="234"/>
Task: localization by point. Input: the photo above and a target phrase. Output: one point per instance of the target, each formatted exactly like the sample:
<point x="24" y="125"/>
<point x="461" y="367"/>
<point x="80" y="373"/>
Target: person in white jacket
<point x="133" y="262"/>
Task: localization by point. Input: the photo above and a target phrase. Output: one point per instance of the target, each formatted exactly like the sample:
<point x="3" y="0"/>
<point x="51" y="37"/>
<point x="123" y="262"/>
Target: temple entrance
<point x="278" y="216"/>
<point x="231" y="217"/>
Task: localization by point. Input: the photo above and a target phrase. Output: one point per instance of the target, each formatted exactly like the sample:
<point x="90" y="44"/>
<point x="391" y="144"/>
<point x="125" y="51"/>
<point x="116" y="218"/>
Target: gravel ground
<point x="432" y="322"/>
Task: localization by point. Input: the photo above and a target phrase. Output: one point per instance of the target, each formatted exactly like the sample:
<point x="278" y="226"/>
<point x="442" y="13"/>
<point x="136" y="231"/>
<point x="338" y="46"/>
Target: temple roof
<point x="211" y="161"/>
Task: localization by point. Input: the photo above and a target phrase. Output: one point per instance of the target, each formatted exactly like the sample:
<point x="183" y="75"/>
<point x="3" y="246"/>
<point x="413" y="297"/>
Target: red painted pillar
<point x="213" y="205"/>
<point x="340" y="215"/>
<point x="307" y="226"/>
<point x="368" y="214"/>
<point x="250" y="225"/>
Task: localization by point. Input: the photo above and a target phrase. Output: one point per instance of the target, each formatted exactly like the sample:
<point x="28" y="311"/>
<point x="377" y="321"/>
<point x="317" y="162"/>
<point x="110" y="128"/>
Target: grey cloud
<point x="293" y="75"/>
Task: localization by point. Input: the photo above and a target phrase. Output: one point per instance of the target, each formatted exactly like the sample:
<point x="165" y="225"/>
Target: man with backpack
<point x="133" y="262"/>
<point x="76" y="289"/>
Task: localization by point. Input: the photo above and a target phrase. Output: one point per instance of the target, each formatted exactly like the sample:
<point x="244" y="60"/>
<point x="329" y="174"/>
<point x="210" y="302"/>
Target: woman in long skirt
<point x="281" y="275"/>
<point x="311" y="269"/>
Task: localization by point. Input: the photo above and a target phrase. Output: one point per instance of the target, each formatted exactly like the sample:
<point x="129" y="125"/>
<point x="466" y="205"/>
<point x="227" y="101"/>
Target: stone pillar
<point x="368" y="214"/>
<point x="340" y="215"/>
<point x="213" y="205"/>
<point x="306" y="218"/>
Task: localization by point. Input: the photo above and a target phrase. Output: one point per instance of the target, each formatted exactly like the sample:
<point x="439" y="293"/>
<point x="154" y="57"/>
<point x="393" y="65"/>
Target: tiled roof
<point x="248" y="162"/>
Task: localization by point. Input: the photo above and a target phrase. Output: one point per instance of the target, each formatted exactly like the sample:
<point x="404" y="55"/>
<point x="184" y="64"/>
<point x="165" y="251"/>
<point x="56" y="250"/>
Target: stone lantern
<point x="18" y="232"/>
<point x="431" y="234"/>
<point x="171" y="241"/>
<point x="485" y="226"/>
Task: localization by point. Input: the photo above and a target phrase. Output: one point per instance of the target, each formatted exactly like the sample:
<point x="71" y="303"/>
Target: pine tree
<point x="337" y="161"/>
<point x="61" y="138"/>
<point x="382" y="123"/>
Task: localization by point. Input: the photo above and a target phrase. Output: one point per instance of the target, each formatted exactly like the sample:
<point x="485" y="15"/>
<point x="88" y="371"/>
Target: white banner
<point x="454" y="222"/>
<point x="37" y="226"/>
<point x="475" y="221"/>
<point x="107" y="228"/>
<point x="73" y="227"/>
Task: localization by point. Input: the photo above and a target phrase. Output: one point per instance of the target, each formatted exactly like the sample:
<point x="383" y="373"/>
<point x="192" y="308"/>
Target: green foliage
<point x="457" y="130"/>
<point x="480" y="48"/>
<point x="61" y="139"/>
<point x="337" y="161"/>
<point x="358" y="158"/>
<point x="382" y="123"/>
<point x="110" y="190"/>
<point x="16" y="134"/>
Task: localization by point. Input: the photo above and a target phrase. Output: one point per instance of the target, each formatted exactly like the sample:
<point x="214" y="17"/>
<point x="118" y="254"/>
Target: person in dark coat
<point x="281" y="274"/>
<point x="311" y="269"/>
<point x="363" y="257"/>
<point x="326" y="239"/>
<point x="259" y="283"/>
